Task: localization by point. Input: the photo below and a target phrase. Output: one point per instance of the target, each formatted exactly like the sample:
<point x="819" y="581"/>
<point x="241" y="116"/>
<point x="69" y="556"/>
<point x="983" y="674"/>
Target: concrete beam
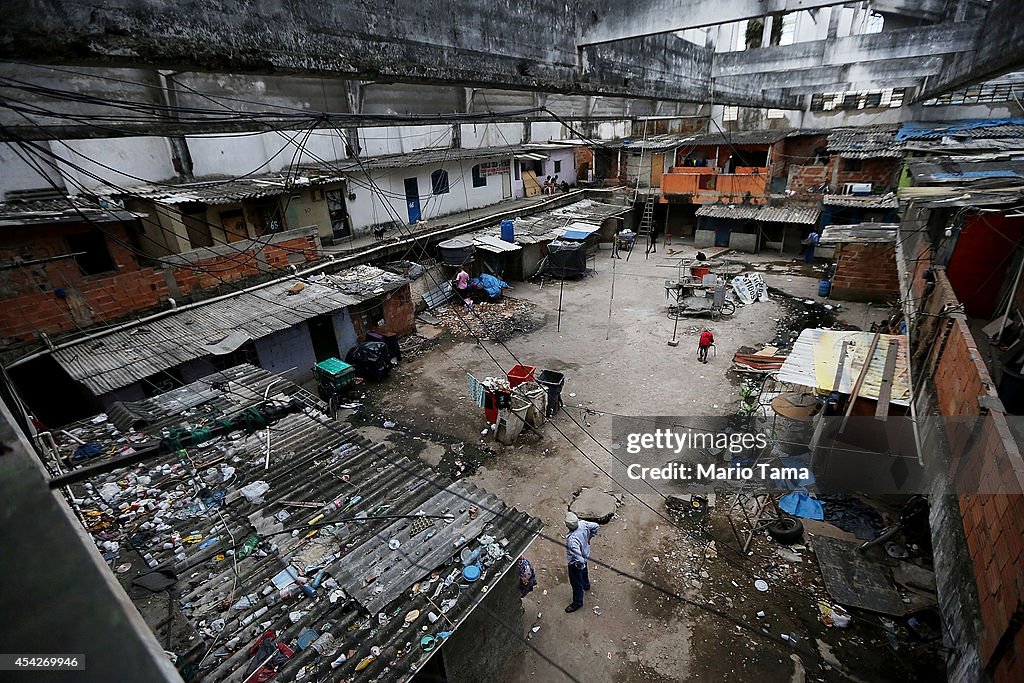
<point x="827" y="78"/>
<point x="998" y="50"/>
<point x="908" y="43"/>
<point x="463" y="43"/>
<point x="927" y="10"/>
<point x="619" y="20"/>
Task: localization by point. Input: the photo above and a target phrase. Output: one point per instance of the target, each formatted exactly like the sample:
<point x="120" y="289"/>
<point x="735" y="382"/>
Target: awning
<point x="532" y="156"/>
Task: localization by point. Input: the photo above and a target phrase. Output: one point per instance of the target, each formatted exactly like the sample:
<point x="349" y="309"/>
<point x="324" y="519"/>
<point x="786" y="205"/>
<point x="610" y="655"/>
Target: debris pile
<point x="497" y="321"/>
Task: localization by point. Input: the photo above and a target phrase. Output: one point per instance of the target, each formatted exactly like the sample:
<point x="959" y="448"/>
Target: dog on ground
<point x="378" y="234"/>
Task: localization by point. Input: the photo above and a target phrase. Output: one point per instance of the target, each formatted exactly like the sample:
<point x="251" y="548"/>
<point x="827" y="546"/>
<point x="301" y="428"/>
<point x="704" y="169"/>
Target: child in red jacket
<point x="706" y="340"/>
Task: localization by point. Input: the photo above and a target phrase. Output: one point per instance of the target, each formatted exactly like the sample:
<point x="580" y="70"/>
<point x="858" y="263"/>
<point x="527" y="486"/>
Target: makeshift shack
<point x="861" y="439"/>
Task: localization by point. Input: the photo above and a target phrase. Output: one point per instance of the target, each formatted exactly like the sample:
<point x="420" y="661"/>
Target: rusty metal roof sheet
<point x="862" y="233"/>
<point x="815" y="356"/>
<point x="807" y="215"/>
<point x="67" y="209"/>
<point x="886" y="201"/>
<point x="190" y="514"/>
<point x="110" y="361"/>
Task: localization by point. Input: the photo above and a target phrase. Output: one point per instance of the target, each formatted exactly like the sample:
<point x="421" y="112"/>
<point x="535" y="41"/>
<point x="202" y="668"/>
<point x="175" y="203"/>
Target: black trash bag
<point x="372" y="360"/>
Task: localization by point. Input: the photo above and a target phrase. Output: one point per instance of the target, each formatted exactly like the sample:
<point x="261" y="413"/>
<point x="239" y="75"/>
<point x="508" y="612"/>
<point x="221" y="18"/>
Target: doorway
<point x="506" y="185"/>
<point x="325" y="341"/>
<point x="412" y="199"/>
<point x="338" y="214"/>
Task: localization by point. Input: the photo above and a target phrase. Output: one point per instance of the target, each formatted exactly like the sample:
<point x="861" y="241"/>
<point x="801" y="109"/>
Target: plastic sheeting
<point x="802" y="505"/>
<point x="750" y="287"/>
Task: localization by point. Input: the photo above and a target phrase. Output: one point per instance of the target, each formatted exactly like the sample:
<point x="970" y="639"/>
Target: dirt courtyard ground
<point x="667" y="603"/>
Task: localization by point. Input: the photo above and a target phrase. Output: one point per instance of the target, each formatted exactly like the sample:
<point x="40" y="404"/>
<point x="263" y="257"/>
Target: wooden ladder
<point x="646" y="228"/>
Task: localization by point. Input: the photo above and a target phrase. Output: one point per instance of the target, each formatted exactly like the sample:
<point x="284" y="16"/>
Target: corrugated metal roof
<point x="494" y="244"/>
<point x="226" y="191"/>
<point x="868" y="142"/>
<point x="968" y="128"/>
<point x="372" y="584"/>
<point x="807" y="215"/>
<point x="546" y="226"/>
<point x="886" y="201"/>
<point x="121" y="358"/>
<point x="815" y="356"/>
<point x="863" y="232"/>
<point x="68" y="209"/>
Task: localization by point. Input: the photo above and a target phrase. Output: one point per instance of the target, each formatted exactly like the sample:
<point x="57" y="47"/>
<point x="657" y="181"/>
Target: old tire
<point x="786" y="530"/>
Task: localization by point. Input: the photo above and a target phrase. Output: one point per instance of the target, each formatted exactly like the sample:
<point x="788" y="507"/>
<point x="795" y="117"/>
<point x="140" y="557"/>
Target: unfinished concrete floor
<point x="629" y="631"/>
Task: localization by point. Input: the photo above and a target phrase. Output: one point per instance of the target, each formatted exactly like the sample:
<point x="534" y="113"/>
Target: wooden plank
<point x="860" y="380"/>
<point x="885" y="388"/>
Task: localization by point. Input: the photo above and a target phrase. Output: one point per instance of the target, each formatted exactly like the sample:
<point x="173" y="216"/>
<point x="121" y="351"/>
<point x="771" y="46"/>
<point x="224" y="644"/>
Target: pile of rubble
<point x="498" y="321"/>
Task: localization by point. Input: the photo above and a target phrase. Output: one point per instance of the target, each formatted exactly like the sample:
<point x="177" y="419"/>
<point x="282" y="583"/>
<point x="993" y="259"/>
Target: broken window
<point x="730" y="113"/>
<point x="479" y="180"/>
<point x="91" y="253"/>
<point x="439" y="181"/>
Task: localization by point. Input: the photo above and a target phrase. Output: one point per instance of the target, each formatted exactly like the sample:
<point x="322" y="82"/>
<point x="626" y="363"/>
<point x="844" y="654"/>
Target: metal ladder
<point x="646" y="228"/>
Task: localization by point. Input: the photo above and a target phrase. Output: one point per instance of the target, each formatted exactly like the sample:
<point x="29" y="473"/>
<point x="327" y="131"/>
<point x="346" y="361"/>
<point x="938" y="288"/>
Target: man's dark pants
<point x="579" y="579"/>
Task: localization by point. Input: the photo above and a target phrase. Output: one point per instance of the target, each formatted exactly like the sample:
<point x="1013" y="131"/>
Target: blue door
<point x="412" y="199"/>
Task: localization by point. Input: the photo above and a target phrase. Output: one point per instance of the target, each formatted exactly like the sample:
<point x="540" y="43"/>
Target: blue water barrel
<point x="824" y="287"/>
<point x="508" y="231"/>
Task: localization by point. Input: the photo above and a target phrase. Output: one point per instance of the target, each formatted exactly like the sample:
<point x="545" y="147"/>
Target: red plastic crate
<point x="520" y="373"/>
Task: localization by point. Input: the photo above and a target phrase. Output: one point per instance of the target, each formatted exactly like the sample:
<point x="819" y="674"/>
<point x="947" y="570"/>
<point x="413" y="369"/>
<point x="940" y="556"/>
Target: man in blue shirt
<point x="577" y="552"/>
<point x="809" y="244"/>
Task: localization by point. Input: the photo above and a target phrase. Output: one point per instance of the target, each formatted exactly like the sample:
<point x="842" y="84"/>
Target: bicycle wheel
<point x="728" y="308"/>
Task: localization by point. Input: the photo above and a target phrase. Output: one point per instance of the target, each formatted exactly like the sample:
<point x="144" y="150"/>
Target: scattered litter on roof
<point x="332" y="544"/>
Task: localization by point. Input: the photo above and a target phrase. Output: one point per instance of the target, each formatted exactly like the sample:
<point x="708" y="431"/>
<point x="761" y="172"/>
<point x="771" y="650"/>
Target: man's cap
<point x="572" y="521"/>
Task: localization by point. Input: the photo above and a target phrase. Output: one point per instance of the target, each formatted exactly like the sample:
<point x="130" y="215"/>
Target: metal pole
<point x="561" y="287"/>
<point x="608" y="330"/>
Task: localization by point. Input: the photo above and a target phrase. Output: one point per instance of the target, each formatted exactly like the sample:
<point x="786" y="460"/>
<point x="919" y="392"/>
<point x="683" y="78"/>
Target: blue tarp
<point x="935" y="129"/>
<point x="796" y="462"/>
<point x="802" y="505"/>
<point x="489" y="284"/>
<point x="975" y="174"/>
<point x="577" y="234"/>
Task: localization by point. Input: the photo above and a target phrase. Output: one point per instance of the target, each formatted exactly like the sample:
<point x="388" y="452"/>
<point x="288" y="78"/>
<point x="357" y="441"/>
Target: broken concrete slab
<point x="595" y="506"/>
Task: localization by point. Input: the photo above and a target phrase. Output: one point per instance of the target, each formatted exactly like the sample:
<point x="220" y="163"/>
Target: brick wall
<point x="881" y="173"/>
<point x="796" y="151"/>
<point x="55" y="297"/>
<point x="399" y="314"/>
<point x="991" y="508"/>
<point x="865" y="272"/>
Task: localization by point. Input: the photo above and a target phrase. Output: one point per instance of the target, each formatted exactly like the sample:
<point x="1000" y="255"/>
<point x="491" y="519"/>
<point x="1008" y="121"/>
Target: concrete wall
<point x="567" y="171"/>
<point x="288" y="352"/>
<point x="383" y="140"/>
<point x="865" y="272"/>
<point x="133" y="160"/>
<point x="16" y="174"/>
<point x="476" y="135"/>
<point x="482" y="647"/>
<point x="388" y="205"/>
